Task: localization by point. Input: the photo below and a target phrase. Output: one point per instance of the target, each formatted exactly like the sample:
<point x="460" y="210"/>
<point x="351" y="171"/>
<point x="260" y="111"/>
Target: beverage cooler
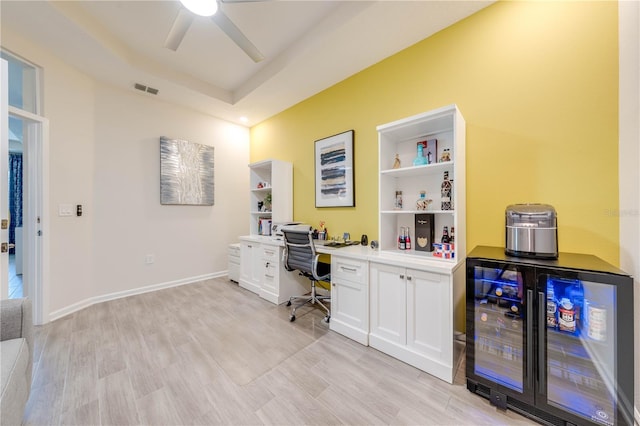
<point x="551" y="339"/>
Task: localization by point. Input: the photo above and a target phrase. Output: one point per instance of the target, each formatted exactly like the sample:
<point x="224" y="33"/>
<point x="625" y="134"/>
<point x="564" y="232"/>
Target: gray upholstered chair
<point x="16" y="357"/>
<point x="300" y="254"/>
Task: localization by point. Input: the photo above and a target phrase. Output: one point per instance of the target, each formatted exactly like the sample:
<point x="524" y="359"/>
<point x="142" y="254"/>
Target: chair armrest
<point x="16" y="320"/>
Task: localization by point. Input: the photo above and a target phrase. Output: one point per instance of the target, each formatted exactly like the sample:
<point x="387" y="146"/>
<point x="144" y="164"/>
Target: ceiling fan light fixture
<point x="201" y="7"/>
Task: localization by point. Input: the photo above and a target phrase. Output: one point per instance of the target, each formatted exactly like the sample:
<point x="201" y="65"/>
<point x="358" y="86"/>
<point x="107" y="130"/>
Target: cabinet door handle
<point x="530" y="338"/>
<point x="542" y="329"/>
<point x="249" y="245"/>
<point x="333" y="284"/>
<point x="266" y="264"/>
<point x="408" y="277"/>
<point x="344" y="268"/>
<point x="402" y="276"/>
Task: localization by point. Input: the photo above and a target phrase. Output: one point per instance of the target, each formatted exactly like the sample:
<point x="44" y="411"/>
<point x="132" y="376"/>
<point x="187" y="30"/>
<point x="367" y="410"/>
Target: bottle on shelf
<point x="401" y="240"/>
<point x="407" y="240"/>
<point x="423" y="203"/>
<point x="552" y="306"/>
<point x="445" y="235"/>
<point x="445" y="193"/>
<point x="398" y="201"/>
<point x="420" y="160"/>
<point x="452" y="237"/>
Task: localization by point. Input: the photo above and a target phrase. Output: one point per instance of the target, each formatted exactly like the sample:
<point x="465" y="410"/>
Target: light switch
<point x="65" y="210"/>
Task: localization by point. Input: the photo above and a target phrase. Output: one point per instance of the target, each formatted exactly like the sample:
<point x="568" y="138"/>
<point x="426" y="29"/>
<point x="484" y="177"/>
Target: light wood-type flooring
<point x="212" y="353"/>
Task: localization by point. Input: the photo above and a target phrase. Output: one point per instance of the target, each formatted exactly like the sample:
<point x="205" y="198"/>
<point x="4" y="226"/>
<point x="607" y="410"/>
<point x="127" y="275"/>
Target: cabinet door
<point x="251" y="268"/>
<point x="429" y="317"/>
<point x="349" y="308"/>
<point x="388" y="303"/>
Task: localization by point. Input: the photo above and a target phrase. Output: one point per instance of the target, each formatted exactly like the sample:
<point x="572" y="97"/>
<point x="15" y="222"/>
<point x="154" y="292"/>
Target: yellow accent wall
<point x="537" y="83"/>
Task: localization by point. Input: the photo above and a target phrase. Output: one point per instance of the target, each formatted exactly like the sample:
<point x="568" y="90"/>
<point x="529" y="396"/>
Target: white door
<point x="4" y="178"/>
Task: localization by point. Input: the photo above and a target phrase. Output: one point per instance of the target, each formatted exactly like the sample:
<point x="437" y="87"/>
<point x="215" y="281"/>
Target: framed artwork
<point x="186" y="173"/>
<point x="334" y="171"/>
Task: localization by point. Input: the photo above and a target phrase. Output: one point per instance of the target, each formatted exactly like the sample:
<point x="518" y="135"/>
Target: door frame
<point x="36" y="217"/>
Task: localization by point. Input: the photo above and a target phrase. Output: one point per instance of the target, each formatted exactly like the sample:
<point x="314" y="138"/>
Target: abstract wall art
<point x="186" y="173"/>
<point x="334" y="171"/>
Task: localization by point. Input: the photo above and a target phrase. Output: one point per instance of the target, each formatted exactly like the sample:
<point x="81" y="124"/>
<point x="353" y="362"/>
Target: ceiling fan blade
<point x="179" y="29"/>
<point x="236" y="35"/>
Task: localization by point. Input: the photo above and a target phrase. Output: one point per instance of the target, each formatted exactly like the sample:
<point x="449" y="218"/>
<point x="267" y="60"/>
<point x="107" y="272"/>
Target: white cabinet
<point x="400" y="139"/>
<point x="350" y="297"/>
<point x="233" y="253"/>
<point x="251" y="271"/>
<point x="274" y="179"/>
<point x="412" y="315"/>
<point x="278" y="284"/>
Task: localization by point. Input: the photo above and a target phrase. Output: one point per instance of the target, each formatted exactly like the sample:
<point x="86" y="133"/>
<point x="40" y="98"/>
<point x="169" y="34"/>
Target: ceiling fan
<point x="210" y="8"/>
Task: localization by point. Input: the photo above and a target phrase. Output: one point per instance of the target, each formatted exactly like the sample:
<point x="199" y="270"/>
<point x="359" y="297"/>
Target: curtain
<point x="15" y="195"/>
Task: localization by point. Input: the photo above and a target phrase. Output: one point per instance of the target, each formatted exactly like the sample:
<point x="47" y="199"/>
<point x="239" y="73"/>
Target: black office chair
<point x="300" y="254"/>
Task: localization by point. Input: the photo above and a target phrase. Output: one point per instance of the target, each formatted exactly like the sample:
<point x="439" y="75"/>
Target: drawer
<point x="270" y="253"/>
<point x="234" y="250"/>
<point x="349" y="269"/>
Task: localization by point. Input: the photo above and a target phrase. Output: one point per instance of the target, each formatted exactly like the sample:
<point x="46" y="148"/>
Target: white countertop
<point x="405" y="259"/>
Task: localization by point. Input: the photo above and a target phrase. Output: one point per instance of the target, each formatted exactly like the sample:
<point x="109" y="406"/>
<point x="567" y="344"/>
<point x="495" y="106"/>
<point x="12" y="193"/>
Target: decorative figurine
<point x="446" y="155"/>
<point x="396" y="162"/>
<point x="423" y="202"/>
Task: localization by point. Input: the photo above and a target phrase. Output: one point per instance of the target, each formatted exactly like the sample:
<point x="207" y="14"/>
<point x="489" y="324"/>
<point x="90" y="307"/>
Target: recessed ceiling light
<point x="244" y="120"/>
<point x="201" y="7"/>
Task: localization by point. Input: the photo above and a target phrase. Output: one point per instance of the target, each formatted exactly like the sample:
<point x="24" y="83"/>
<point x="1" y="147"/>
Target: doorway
<point x="24" y="193"/>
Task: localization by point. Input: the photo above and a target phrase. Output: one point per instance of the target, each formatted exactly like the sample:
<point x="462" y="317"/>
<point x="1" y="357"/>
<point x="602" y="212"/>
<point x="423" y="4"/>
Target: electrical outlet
<point x="149" y="259"/>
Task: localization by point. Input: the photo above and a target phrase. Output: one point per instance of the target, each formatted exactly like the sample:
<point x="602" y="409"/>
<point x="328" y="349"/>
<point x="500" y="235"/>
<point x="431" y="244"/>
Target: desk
<point x="405" y="306"/>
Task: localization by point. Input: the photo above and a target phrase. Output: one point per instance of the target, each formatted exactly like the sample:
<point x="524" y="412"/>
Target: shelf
<point x="261" y="213"/>
<point x="418" y="254"/>
<point x="261" y="190"/>
<point x="427" y="169"/>
<point x="417" y="211"/>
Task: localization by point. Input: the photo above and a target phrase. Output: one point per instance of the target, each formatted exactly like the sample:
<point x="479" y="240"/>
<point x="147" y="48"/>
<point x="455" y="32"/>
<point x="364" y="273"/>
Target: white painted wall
<point x="629" y="162"/>
<point x="104" y="154"/>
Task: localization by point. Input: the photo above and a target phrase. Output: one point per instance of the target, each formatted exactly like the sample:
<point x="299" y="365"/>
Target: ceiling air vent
<point x="144" y="88"/>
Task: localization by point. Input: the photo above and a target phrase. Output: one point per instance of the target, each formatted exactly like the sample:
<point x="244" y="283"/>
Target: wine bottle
<point x="445" y="193"/>
<point x="407" y="240"/>
<point x="445" y="235"/>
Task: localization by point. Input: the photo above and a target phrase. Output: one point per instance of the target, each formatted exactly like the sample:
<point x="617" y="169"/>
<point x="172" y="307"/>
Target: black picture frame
<point x="334" y="173"/>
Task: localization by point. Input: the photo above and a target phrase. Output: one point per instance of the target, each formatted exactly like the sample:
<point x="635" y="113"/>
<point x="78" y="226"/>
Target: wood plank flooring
<point x="212" y="353"/>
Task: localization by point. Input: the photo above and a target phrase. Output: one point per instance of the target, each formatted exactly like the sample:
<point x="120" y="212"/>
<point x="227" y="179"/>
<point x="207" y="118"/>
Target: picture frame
<point x="186" y="173"/>
<point x="334" y="174"/>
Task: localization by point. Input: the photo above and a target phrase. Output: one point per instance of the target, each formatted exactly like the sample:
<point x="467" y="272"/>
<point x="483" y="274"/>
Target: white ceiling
<point x="308" y="45"/>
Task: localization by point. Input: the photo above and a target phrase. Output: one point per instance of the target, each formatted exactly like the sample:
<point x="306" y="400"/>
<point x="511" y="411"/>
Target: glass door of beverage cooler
<point x="581" y="366"/>
<point x="499" y="320"/>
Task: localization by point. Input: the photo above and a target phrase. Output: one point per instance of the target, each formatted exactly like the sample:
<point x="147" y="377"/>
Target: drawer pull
<point x="344" y="268"/>
<point x="402" y="276"/>
<point x="408" y="277"/>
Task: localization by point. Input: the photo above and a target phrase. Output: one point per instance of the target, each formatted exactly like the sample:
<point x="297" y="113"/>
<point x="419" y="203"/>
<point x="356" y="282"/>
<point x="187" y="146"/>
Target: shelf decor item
<point x="396" y="162"/>
<point x="186" y="173"/>
<point x="423" y="202"/>
<point x="334" y="171"/>
<point x="445" y="193"/>
<point x="420" y="159"/>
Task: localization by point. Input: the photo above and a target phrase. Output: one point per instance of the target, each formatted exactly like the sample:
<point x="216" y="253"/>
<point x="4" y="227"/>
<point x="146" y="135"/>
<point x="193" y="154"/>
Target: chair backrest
<point x="300" y="252"/>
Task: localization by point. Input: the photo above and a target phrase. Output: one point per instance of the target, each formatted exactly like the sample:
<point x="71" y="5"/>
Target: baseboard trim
<point x="120" y="294"/>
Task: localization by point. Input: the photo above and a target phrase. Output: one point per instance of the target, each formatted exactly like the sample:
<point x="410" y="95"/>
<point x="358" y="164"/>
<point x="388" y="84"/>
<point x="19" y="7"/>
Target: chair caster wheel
<point x="327" y="319"/>
<point x="292" y="318"/>
<point x="289" y="303"/>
